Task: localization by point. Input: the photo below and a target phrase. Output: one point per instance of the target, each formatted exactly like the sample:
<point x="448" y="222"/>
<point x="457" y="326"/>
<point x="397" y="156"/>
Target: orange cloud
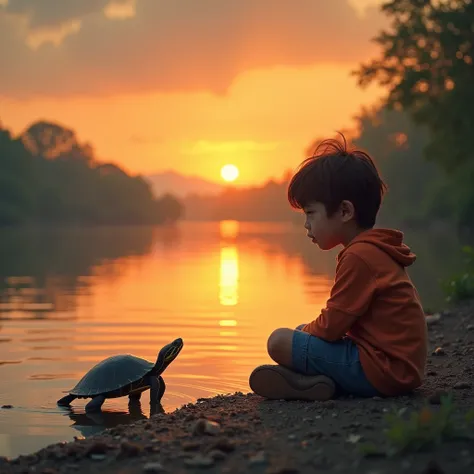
<point x="179" y="45"/>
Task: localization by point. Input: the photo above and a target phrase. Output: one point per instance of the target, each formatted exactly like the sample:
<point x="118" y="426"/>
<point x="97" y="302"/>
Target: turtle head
<point x="167" y="355"/>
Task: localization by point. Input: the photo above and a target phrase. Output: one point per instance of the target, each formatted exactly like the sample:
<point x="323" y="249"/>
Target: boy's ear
<point x="347" y="211"/>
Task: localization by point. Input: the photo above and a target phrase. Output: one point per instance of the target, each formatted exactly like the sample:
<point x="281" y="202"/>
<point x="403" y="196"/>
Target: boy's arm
<point x="350" y="298"/>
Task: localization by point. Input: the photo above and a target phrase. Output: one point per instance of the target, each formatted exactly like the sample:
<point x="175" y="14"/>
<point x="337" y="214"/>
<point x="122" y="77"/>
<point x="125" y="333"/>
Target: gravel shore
<point x="244" y="433"/>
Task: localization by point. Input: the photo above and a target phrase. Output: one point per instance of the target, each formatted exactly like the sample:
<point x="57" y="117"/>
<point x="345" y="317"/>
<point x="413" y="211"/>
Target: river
<point x="71" y="297"/>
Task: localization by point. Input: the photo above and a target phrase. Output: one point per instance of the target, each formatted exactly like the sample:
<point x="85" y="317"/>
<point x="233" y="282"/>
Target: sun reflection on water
<point x="229" y="265"/>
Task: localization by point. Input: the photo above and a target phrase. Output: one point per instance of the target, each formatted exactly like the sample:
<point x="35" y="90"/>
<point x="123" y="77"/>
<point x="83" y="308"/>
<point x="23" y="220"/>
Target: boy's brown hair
<point x="334" y="174"/>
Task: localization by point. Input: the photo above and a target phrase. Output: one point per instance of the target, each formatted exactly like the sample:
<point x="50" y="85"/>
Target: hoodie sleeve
<point x="350" y="297"/>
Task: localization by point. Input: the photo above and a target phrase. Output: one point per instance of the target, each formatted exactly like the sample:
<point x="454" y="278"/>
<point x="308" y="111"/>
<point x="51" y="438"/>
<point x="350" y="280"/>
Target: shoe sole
<point x="280" y="383"/>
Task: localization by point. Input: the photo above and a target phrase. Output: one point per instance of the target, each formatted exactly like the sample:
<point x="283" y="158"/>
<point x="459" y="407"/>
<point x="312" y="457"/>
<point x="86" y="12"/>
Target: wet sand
<point x="245" y="433"/>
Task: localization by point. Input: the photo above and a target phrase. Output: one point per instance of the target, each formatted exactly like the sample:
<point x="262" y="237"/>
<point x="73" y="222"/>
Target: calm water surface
<point x="69" y="298"/>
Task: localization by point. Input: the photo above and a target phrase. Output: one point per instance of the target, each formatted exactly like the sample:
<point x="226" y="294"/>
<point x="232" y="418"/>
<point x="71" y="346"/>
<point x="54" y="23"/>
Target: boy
<point x="371" y="338"/>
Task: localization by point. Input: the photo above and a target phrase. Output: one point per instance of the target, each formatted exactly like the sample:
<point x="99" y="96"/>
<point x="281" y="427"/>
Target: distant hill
<point x="181" y="185"/>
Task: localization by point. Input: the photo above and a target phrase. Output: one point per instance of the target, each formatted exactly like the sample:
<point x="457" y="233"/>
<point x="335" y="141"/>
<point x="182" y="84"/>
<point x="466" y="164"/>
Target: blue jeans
<point x="337" y="360"/>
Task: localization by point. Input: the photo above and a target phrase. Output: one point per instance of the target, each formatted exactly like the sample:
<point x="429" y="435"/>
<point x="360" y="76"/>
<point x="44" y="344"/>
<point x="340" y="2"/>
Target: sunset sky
<point x="188" y="85"/>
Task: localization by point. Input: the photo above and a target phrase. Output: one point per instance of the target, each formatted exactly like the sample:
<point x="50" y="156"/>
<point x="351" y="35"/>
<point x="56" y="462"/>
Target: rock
<point x="354" y="424"/>
<point x="439" y="351"/>
<point x="98" y="447"/>
<point x="153" y="467"/>
<point x="128" y="449"/>
<point x="97" y="457"/>
<point x="199" y="461"/>
<point x="470" y="327"/>
<point x="217" y="455"/>
<point x="7" y="407"/>
<point x="191" y="446"/>
<point x="432" y="373"/>
<point x="258" y="458"/>
<point x="353" y="438"/>
<point x="433" y="319"/>
<point x="461" y="385"/>
<point x="224" y="445"/>
<point x="203" y="426"/>
<point x="329" y="404"/>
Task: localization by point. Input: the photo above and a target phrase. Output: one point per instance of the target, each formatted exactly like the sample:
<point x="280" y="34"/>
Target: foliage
<point x="422" y="430"/>
<point x="461" y="287"/>
<point x="47" y="176"/>
<point x="426" y="65"/>
<point x="396" y="143"/>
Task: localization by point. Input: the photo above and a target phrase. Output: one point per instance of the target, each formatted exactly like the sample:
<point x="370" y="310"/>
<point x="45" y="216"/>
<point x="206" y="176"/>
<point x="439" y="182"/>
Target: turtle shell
<point x="112" y="374"/>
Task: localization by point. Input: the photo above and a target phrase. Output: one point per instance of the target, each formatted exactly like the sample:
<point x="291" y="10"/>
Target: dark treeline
<point x="47" y="176"/>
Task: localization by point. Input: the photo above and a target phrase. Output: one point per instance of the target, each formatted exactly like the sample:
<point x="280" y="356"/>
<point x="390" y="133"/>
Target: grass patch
<point x="461" y="287"/>
<point x="422" y="430"/>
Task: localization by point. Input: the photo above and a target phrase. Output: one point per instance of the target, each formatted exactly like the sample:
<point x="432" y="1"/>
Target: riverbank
<point x="244" y="433"/>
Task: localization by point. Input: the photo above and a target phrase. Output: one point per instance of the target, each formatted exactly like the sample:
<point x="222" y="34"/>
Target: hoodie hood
<point x="388" y="240"/>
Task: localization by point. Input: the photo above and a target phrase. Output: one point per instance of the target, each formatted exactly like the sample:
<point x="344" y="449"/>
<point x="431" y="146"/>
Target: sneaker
<point x="279" y="383"/>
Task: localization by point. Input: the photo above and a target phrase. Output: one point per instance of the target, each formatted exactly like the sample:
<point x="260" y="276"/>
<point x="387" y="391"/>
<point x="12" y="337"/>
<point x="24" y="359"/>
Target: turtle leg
<point x="135" y="397"/>
<point x="96" y="403"/>
<point x="66" y="401"/>
<point x="162" y="388"/>
<point x="155" y="388"/>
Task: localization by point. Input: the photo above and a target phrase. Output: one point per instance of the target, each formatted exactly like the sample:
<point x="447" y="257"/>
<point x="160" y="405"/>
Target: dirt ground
<point x="243" y="433"/>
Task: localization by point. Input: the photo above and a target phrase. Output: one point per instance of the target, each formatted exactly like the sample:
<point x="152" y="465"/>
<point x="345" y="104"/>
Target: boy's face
<point x="324" y="231"/>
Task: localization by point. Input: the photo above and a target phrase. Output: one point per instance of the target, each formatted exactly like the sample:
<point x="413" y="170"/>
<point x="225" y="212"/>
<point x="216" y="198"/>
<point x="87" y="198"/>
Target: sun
<point x="229" y="173"/>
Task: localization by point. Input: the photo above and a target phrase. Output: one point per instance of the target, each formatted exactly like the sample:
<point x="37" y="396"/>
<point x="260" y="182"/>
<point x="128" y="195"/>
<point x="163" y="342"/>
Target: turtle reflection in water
<point x="122" y="375"/>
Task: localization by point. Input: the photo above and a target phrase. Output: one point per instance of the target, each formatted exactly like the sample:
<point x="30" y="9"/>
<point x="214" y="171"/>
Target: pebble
<point x="98" y="448"/>
<point x="97" y="457"/>
<point x="461" y="385"/>
<point x="433" y="319"/>
<point x="130" y="449"/>
<point x="153" y="467"/>
<point x="439" y="351"/>
<point x="470" y="327"/>
<point x="223" y="445"/>
<point x="217" y="455"/>
<point x="199" y="461"/>
<point x="191" y="446"/>
<point x="353" y="438"/>
<point x="7" y="407"/>
<point x="258" y="458"/>
<point x="204" y="426"/>
<point x="329" y="404"/>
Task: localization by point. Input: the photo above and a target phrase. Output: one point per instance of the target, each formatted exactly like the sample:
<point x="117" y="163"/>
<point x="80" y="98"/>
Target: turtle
<point x="122" y="375"/>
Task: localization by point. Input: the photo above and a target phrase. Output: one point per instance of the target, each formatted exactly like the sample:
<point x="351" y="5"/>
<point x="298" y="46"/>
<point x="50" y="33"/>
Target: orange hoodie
<point x="374" y="303"/>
